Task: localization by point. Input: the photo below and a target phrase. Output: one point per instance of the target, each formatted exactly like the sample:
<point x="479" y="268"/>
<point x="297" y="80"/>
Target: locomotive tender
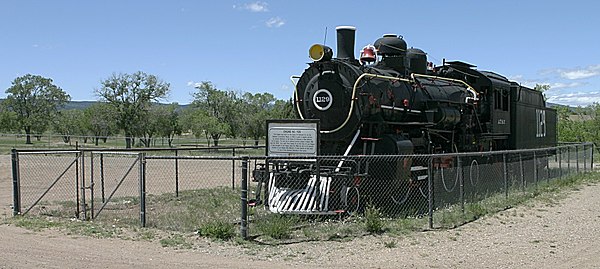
<point x="392" y="101"/>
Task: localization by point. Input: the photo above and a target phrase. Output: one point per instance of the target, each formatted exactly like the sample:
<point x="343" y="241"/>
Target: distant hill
<point x="86" y="104"/>
<point x="79" y="104"/>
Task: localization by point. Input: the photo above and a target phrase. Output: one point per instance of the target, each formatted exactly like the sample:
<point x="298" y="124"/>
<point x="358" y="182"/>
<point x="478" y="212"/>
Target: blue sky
<point x="255" y="46"/>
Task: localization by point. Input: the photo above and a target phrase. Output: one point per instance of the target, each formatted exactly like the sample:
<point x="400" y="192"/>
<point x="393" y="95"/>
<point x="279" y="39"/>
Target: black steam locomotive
<point x="392" y="101"/>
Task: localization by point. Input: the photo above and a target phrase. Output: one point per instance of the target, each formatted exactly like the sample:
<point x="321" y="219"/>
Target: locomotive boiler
<point x="392" y="101"/>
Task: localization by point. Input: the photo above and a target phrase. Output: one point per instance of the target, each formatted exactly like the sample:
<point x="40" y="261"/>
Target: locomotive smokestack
<point x="345" y="42"/>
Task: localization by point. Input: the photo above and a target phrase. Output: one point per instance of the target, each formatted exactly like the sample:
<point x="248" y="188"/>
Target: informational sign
<point x="292" y="138"/>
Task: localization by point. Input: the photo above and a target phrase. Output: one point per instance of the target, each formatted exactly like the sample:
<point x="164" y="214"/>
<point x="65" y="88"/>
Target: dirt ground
<point x="544" y="236"/>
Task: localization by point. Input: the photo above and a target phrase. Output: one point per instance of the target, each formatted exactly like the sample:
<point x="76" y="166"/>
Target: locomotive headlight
<point x="318" y="52"/>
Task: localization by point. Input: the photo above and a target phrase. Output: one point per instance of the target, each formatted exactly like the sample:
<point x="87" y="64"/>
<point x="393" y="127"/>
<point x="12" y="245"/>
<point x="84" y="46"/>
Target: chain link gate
<point x="47" y="181"/>
<point x="116" y="186"/>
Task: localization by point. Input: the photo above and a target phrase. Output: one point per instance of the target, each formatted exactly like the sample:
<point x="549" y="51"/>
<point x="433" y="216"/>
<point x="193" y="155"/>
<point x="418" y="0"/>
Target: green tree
<point x="220" y="108"/>
<point x="131" y="96"/>
<point x="162" y="120"/>
<point x="35" y="101"/>
<point x="168" y="122"/>
<point x="99" y="121"/>
<point x="68" y="123"/>
<point x="542" y="88"/>
<point x="284" y="110"/>
<point x="258" y="108"/>
<point x="201" y="123"/>
<point x="8" y="120"/>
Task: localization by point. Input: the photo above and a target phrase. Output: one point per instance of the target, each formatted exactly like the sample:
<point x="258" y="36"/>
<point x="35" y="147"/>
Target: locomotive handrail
<point x="296" y="95"/>
<point x="353" y="100"/>
<point x="375" y="76"/>
<point x="469" y="88"/>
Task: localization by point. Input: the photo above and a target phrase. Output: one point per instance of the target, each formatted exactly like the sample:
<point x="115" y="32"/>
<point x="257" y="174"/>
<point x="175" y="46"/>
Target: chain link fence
<point x="183" y="191"/>
<point x="442" y="188"/>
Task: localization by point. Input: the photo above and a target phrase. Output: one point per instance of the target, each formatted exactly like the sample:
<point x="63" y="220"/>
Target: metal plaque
<point x="292" y="138"/>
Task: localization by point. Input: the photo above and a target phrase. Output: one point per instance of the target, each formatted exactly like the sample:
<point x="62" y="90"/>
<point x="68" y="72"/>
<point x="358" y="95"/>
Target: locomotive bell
<point x="368" y="54"/>
<point x="318" y="52"/>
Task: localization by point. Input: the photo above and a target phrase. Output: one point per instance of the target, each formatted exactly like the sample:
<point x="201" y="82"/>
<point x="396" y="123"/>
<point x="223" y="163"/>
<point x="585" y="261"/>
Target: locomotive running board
<point x="312" y="199"/>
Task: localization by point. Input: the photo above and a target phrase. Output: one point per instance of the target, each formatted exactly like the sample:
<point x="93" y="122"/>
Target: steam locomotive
<point x="392" y="101"/>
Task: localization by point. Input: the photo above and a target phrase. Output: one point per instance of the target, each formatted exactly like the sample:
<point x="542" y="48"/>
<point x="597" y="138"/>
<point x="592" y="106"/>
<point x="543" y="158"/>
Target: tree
<point x="68" y="123"/>
<point x="34" y="100"/>
<point x="258" y="109"/>
<point x="168" y="122"/>
<point x="200" y="122"/>
<point x="8" y="119"/>
<point x="98" y="121"/>
<point x="542" y="88"/>
<point x="284" y="110"/>
<point x="131" y="96"/>
<point x="220" y="107"/>
<point x="162" y="121"/>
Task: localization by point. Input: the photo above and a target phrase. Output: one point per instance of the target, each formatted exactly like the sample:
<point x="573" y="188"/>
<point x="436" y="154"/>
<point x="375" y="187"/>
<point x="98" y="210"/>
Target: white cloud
<point x="575" y="73"/>
<point x="587" y="72"/>
<point x="275" y="22"/>
<point x="257" y="6"/>
<point x="575" y="98"/>
<point x="553" y="85"/>
<point x="193" y="84"/>
<point x="560" y="85"/>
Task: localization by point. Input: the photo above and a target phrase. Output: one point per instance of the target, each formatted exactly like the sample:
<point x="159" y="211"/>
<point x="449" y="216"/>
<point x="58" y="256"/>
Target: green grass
<point x="214" y="213"/>
<point x="372" y="221"/>
<point x="175" y="241"/>
<point x="219" y="230"/>
<point x="53" y="141"/>
<point x="390" y="244"/>
<point x="276" y="226"/>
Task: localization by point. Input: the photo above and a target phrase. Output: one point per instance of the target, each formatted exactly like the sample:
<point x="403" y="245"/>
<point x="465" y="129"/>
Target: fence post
<point x="176" y="173"/>
<point x="577" y="157"/>
<point x="142" y="159"/>
<point x="535" y="171"/>
<point x="522" y="171"/>
<point x="568" y="160"/>
<point x="77" y="190"/>
<point x="268" y="173"/>
<point x="462" y="185"/>
<point x="16" y="182"/>
<point x="592" y="159"/>
<point x="83" y="203"/>
<point x="559" y="152"/>
<point x="505" y="177"/>
<point x="584" y="159"/>
<point x="547" y="164"/>
<point x="233" y="170"/>
<point x="430" y="192"/>
<point x="102" y="176"/>
<point x="244" y="194"/>
<point x="92" y="185"/>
